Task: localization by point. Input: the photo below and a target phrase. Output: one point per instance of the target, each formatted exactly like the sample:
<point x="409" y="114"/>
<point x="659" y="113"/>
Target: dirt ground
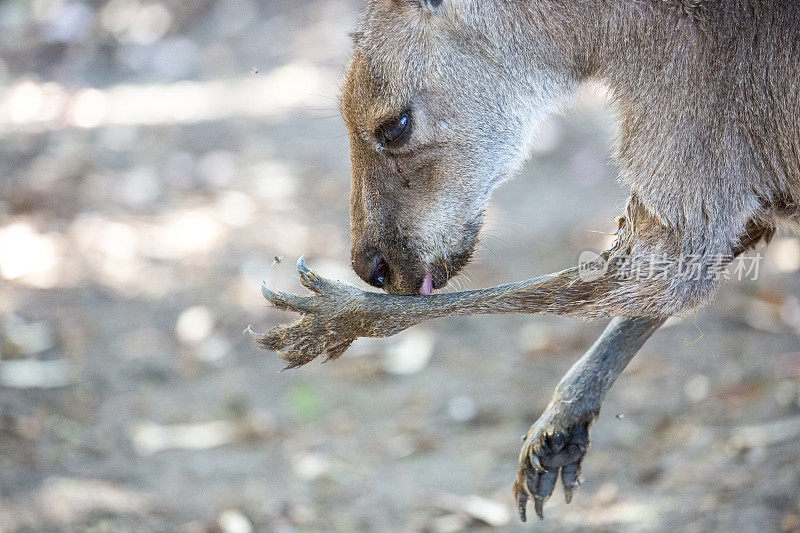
<point x="156" y="158"/>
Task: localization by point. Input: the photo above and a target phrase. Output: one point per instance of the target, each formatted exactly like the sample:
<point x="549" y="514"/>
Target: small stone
<point x="31" y="374"/>
<point x="484" y="510"/>
<point x="194" y="324"/>
<point x="535" y="338"/>
<point x="234" y="521"/>
<point x="150" y="438"/>
<point x="450" y="523"/>
<point x="311" y="466"/>
<point x="697" y="388"/>
<point x="410" y="355"/>
<point x="462" y="408"/>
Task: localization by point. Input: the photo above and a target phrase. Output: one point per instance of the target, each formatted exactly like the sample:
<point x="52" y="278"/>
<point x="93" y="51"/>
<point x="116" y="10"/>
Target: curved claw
<point x="568" y="493"/>
<point x="276" y="339"/>
<point x="538" y="505"/>
<point x="542" y="489"/>
<point x="284" y="300"/>
<point x="258" y="338"/>
<point x="570" y="478"/>
<point x="310" y="279"/>
<point x="301" y="265"/>
<point x="522" y="506"/>
<point x="521" y="495"/>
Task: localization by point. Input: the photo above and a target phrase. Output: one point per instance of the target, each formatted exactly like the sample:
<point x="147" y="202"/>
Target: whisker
<point x="330" y="138"/>
<point x="484" y="245"/>
<point x="337" y="115"/>
<point x="326" y="96"/>
<point x="498" y="239"/>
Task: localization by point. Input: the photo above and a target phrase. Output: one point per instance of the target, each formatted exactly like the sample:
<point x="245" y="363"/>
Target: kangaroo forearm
<point x="587" y="382"/>
<point x="559" y="438"/>
<point x="560" y="293"/>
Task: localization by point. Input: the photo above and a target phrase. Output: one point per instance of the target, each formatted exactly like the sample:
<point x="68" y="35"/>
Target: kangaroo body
<point x="442" y="100"/>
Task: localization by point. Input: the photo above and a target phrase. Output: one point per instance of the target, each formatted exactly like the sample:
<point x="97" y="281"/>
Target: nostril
<point x="380" y="272"/>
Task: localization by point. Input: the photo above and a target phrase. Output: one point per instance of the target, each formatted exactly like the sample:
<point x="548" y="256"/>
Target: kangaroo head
<point x="441" y="99"/>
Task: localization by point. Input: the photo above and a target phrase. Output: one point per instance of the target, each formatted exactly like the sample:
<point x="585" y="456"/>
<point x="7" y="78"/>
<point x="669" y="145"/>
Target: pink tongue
<point x="427" y="286"/>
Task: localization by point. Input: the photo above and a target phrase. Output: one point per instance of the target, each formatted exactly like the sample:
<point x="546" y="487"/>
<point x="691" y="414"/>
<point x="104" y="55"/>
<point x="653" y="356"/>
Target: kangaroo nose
<point x="379" y="273"/>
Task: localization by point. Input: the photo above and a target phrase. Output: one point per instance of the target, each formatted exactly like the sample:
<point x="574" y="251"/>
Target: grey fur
<point x="708" y="100"/>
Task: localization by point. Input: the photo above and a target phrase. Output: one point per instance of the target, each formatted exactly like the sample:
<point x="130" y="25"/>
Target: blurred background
<point x="159" y="159"/>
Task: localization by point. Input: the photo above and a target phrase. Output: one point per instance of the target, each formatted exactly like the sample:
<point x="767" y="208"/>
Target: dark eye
<point x="393" y="130"/>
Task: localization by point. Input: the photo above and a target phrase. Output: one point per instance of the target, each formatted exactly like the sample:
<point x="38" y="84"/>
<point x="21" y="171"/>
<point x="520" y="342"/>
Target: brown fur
<point x="708" y="99"/>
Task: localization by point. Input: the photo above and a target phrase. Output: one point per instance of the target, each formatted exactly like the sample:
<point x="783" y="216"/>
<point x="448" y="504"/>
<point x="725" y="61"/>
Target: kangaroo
<point x="442" y="99"/>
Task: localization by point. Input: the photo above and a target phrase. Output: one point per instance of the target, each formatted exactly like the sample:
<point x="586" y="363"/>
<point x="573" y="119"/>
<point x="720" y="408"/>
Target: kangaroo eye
<point x="397" y="128"/>
<point x="393" y="130"/>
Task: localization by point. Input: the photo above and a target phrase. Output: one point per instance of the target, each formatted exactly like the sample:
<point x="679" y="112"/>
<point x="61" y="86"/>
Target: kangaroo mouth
<point x="439" y="273"/>
<point x="427" y="289"/>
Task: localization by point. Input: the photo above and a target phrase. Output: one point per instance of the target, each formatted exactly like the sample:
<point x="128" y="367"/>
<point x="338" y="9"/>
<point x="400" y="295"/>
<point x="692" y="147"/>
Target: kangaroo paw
<point x="549" y="451"/>
<point x="329" y="323"/>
